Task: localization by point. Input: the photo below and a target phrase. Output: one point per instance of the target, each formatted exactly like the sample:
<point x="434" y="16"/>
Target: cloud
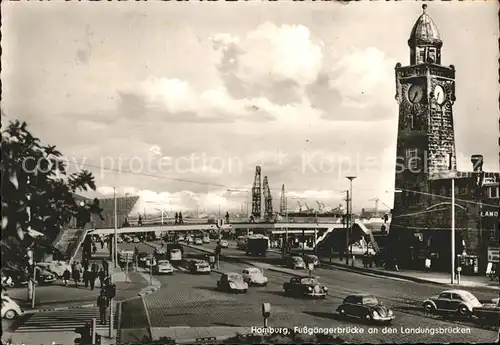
<point x="174" y="100"/>
<point x="277" y="61"/>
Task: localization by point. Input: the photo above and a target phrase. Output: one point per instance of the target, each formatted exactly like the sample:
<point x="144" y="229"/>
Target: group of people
<point x="85" y="274"/>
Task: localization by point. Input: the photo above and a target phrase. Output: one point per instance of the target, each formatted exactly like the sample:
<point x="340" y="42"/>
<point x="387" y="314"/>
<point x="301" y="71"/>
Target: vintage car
<point x="366" y="307"/>
<point x="232" y="282"/>
<point x="313" y="259"/>
<point x="136" y="240"/>
<point x="119" y="240"/>
<point x="224" y="244"/>
<point x="254" y="276"/>
<point x="180" y="238"/>
<point x="56" y="267"/>
<point x="206" y="239"/>
<point x="295" y="262"/>
<point x="452" y="301"/>
<point x="175" y="255"/>
<point x="10" y="309"/>
<point x="45" y="277"/>
<point x="198" y="241"/>
<point x="199" y="266"/>
<point x="305" y="286"/>
<point x="488" y="312"/>
<point x="163" y="267"/>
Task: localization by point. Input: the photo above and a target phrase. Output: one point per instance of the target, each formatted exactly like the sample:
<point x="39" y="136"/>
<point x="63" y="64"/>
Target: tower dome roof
<point x="424" y="31"/>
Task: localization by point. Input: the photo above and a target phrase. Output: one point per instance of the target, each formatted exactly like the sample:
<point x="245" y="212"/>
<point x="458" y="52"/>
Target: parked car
<point x="254" y="276"/>
<point x="199" y="266"/>
<point x="56" y="267"/>
<point x="305" y="286"/>
<point x="198" y="241"/>
<point x="119" y="240"/>
<point x="206" y="239"/>
<point x="311" y="259"/>
<point x="224" y="244"/>
<point x="366" y="307"/>
<point x="232" y="282"/>
<point x="175" y="255"/>
<point x="488" y="312"/>
<point x="10" y="309"/>
<point x="295" y="262"/>
<point x="180" y="238"/>
<point x="45" y="277"/>
<point x="163" y="267"/>
<point x="136" y="240"/>
<point x="452" y="301"/>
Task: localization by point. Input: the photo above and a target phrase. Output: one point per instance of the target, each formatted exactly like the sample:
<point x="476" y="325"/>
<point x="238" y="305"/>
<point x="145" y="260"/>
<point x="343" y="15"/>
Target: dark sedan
<point x="305" y="286"/>
<point x="366" y="307"/>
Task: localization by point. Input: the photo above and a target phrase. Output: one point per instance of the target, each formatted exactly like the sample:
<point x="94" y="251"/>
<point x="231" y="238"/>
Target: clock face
<point x="439" y="94"/>
<point x="415" y="94"/>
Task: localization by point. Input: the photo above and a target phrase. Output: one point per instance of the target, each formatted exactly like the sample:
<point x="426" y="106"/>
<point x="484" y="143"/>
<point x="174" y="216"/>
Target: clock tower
<point x="425" y="93"/>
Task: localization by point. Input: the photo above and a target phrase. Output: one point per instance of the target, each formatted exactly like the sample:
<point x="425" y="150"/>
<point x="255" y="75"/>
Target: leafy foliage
<point x="36" y="176"/>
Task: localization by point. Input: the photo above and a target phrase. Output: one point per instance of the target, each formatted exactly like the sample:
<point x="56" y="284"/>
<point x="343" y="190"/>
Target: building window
<point x="493" y="192"/>
<point x="462" y="190"/>
<point x="412" y="159"/>
<point x="421" y="55"/>
<point x="432" y="55"/>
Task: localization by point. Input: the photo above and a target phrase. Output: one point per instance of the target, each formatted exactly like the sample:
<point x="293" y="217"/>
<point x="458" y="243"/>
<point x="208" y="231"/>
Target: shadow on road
<point x="324" y="315"/>
<point x="206" y="288"/>
<point x="275" y="293"/>
<point x="223" y="324"/>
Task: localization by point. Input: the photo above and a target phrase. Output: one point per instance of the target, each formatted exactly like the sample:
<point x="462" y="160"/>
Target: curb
<point x="33" y="311"/>
<point x="375" y="273"/>
<point x="148" y="291"/>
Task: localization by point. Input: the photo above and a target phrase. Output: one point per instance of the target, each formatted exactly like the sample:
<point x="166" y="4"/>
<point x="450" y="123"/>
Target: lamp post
<point x="115" y="242"/>
<point x="351" y="221"/>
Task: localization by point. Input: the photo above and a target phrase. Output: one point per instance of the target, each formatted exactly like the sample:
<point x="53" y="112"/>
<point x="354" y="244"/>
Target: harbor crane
<point x="320" y="207"/>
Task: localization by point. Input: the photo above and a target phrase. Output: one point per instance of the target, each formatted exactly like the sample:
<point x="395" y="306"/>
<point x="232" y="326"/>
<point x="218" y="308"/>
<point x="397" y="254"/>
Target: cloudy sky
<point x="182" y="101"/>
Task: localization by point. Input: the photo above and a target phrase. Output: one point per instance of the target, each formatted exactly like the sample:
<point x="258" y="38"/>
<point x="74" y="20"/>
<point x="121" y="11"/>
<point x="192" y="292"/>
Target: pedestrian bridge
<point x="160" y="228"/>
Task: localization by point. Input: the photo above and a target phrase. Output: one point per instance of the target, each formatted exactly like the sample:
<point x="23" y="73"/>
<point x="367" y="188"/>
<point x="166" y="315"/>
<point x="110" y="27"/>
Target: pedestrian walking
<point x="427" y="265"/>
<point x="102" y="243"/>
<point x="86" y="278"/>
<point x="76" y="277"/>
<point x="102" y="276"/>
<point x="94" y="248"/>
<point x="103" y="304"/>
<point x="92" y="279"/>
<point x="94" y="268"/>
<point x="66" y="276"/>
<point x="85" y="265"/>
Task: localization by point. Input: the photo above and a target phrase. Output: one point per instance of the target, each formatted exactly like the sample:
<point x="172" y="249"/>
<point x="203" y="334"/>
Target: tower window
<point x="421" y="55"/>
<point x="412" y="159"/>
<point x="432" y="55"/>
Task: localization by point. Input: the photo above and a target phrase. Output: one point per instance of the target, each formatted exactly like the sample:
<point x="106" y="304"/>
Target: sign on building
<point x="485" y="214"/>
<point x="493" y="254"/>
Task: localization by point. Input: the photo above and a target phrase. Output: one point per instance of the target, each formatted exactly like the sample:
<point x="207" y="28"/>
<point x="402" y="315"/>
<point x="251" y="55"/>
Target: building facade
<point x="426" y="165"/>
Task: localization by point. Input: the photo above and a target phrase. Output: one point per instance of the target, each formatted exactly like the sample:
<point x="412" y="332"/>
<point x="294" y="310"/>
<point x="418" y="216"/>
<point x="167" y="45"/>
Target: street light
<point x="351" y="222"/>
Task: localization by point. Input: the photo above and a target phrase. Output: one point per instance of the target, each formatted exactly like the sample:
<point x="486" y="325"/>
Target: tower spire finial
<point x="424" y="7"/>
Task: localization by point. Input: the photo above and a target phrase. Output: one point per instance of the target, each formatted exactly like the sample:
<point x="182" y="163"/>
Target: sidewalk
<point x="59" y="297"/>
<point x="439" y="278"/>
<point x="53" y="338"/>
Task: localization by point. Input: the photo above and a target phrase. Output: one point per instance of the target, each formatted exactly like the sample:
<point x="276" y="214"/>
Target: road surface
<point x="191" y="300"/>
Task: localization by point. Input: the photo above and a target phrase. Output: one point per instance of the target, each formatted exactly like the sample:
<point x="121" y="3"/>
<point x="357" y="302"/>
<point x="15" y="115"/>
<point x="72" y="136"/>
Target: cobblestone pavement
<point x="191" y="300"/>
<point x="419" y="291"/>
